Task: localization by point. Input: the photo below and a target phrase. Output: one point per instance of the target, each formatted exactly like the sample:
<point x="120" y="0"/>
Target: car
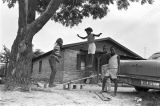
<point x="142" y="74"/>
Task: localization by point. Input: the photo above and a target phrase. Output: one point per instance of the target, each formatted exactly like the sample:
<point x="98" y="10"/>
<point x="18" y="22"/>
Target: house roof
<point x="85" y="42"/>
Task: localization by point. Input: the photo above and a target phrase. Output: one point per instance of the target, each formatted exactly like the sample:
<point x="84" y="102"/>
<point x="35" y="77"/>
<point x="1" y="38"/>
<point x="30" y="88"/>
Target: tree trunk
<point x="19" y="71"/>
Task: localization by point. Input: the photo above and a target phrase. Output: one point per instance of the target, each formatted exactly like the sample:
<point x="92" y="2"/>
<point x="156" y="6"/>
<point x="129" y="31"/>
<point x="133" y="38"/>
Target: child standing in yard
<point x="114" y="63"/>
<point x="105" y="70"/>
<point x="54" y="58"/>
<point x="91" y="45"/>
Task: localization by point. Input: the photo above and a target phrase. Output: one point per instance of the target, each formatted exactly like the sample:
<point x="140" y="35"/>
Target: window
<point x="40" y="67"/>
<point x="81" y="62"/>
<point x="82" y="65"/>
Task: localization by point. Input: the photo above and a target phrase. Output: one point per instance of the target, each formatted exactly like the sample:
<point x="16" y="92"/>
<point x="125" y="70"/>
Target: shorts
<point x="91" y="48"/>
<point x="113" y="73"/>
<point x="105" y="70"/>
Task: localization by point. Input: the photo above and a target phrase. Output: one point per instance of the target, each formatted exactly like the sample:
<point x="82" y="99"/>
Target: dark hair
<point x="59" y="40"/>
<point x="111" y="47"/>
<point x="89" y="29"/>
<point x="104" y="47"/>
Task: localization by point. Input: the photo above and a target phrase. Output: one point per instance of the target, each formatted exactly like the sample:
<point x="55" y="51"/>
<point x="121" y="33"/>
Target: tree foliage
<point x="5" y="55"/>
<point x="37" y="53"/>
<point x="71" y="12"/>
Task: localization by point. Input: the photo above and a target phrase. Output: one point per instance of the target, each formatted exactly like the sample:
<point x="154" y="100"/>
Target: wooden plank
<point x="102" y="97"/>
<point x="106" y="95"/>
<point x="79" y="79"/>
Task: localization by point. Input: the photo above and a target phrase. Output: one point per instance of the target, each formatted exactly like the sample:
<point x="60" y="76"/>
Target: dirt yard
<point x="56" y="96"/>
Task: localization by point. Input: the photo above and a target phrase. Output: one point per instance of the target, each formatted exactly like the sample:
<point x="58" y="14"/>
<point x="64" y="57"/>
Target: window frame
<point x="40" y="67"/>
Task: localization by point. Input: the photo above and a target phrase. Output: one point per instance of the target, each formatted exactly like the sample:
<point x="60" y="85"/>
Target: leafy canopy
<point x="37" y="53"/>
<point x="5" y="55"/>
<point x="71" y="12"/>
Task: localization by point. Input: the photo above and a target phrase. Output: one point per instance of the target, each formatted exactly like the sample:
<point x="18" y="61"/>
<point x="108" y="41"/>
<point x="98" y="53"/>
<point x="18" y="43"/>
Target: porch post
<point x="98" y="67"/>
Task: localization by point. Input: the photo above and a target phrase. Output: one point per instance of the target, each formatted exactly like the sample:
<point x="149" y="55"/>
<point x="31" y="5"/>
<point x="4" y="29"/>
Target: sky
<point x="137" y="28"/>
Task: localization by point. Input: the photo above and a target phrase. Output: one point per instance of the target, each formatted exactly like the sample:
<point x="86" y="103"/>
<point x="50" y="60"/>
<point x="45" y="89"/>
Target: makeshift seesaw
<point x="71" y="85"/>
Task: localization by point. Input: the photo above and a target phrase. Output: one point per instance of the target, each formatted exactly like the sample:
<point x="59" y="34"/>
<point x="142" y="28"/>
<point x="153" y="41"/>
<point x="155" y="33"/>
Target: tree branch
<point x="23" y="5"/>
<point x="31" y="11"/>
<point x="35" y="26"/>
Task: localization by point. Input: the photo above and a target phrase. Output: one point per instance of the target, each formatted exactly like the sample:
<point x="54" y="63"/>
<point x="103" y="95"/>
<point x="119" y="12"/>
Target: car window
<point x="155" y="56"/>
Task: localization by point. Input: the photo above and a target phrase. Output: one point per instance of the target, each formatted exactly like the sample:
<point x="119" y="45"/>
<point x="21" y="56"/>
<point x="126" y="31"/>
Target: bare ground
<point x="56" y="96"/>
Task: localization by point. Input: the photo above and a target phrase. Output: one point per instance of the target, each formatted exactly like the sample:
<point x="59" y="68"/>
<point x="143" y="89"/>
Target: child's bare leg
<point x="90" y="60"/>
<point x="115" y="86"/>
<point x="103" y="83"/>
<point x="109" y="84"/>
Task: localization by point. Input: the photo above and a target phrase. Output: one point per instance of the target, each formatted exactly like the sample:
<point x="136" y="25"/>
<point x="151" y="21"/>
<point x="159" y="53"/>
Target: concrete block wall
<point x="46" y="70"/>
<point x="70" y="66"/>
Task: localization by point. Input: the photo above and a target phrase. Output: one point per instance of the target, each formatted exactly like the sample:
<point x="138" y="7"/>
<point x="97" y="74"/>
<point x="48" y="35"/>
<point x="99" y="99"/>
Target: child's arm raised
<point x="97" y="34"/>
<point x="82" y="37"/>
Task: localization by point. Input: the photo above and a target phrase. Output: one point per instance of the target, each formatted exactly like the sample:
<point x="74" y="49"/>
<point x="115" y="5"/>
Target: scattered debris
<point x="138" y="101"/>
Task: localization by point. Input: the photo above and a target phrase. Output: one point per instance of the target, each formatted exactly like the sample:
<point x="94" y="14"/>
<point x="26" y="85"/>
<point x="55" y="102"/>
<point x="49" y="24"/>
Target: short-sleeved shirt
<point x="113" y="62"/>
<point x="104" y="58"/>
<point x="105" y="70"/>
<point x="56" y="51"/>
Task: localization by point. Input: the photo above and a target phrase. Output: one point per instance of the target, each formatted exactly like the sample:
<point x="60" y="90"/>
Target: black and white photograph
<point x="80" y="53"/>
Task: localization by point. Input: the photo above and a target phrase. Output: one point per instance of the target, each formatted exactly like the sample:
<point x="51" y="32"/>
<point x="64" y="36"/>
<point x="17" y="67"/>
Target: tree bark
<point x="20" y="66"/>
<point x="31" y="15"/>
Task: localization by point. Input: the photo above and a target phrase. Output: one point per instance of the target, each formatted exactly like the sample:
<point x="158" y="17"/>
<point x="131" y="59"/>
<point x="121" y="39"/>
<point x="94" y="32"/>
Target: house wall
<point x="66" y="69"/>
<point x="46" y="70"/>
<point x="70" y="65"/>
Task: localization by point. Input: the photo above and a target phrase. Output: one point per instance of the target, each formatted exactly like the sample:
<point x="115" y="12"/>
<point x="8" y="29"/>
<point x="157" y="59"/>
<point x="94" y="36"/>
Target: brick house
<point x="73" y="63"/>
